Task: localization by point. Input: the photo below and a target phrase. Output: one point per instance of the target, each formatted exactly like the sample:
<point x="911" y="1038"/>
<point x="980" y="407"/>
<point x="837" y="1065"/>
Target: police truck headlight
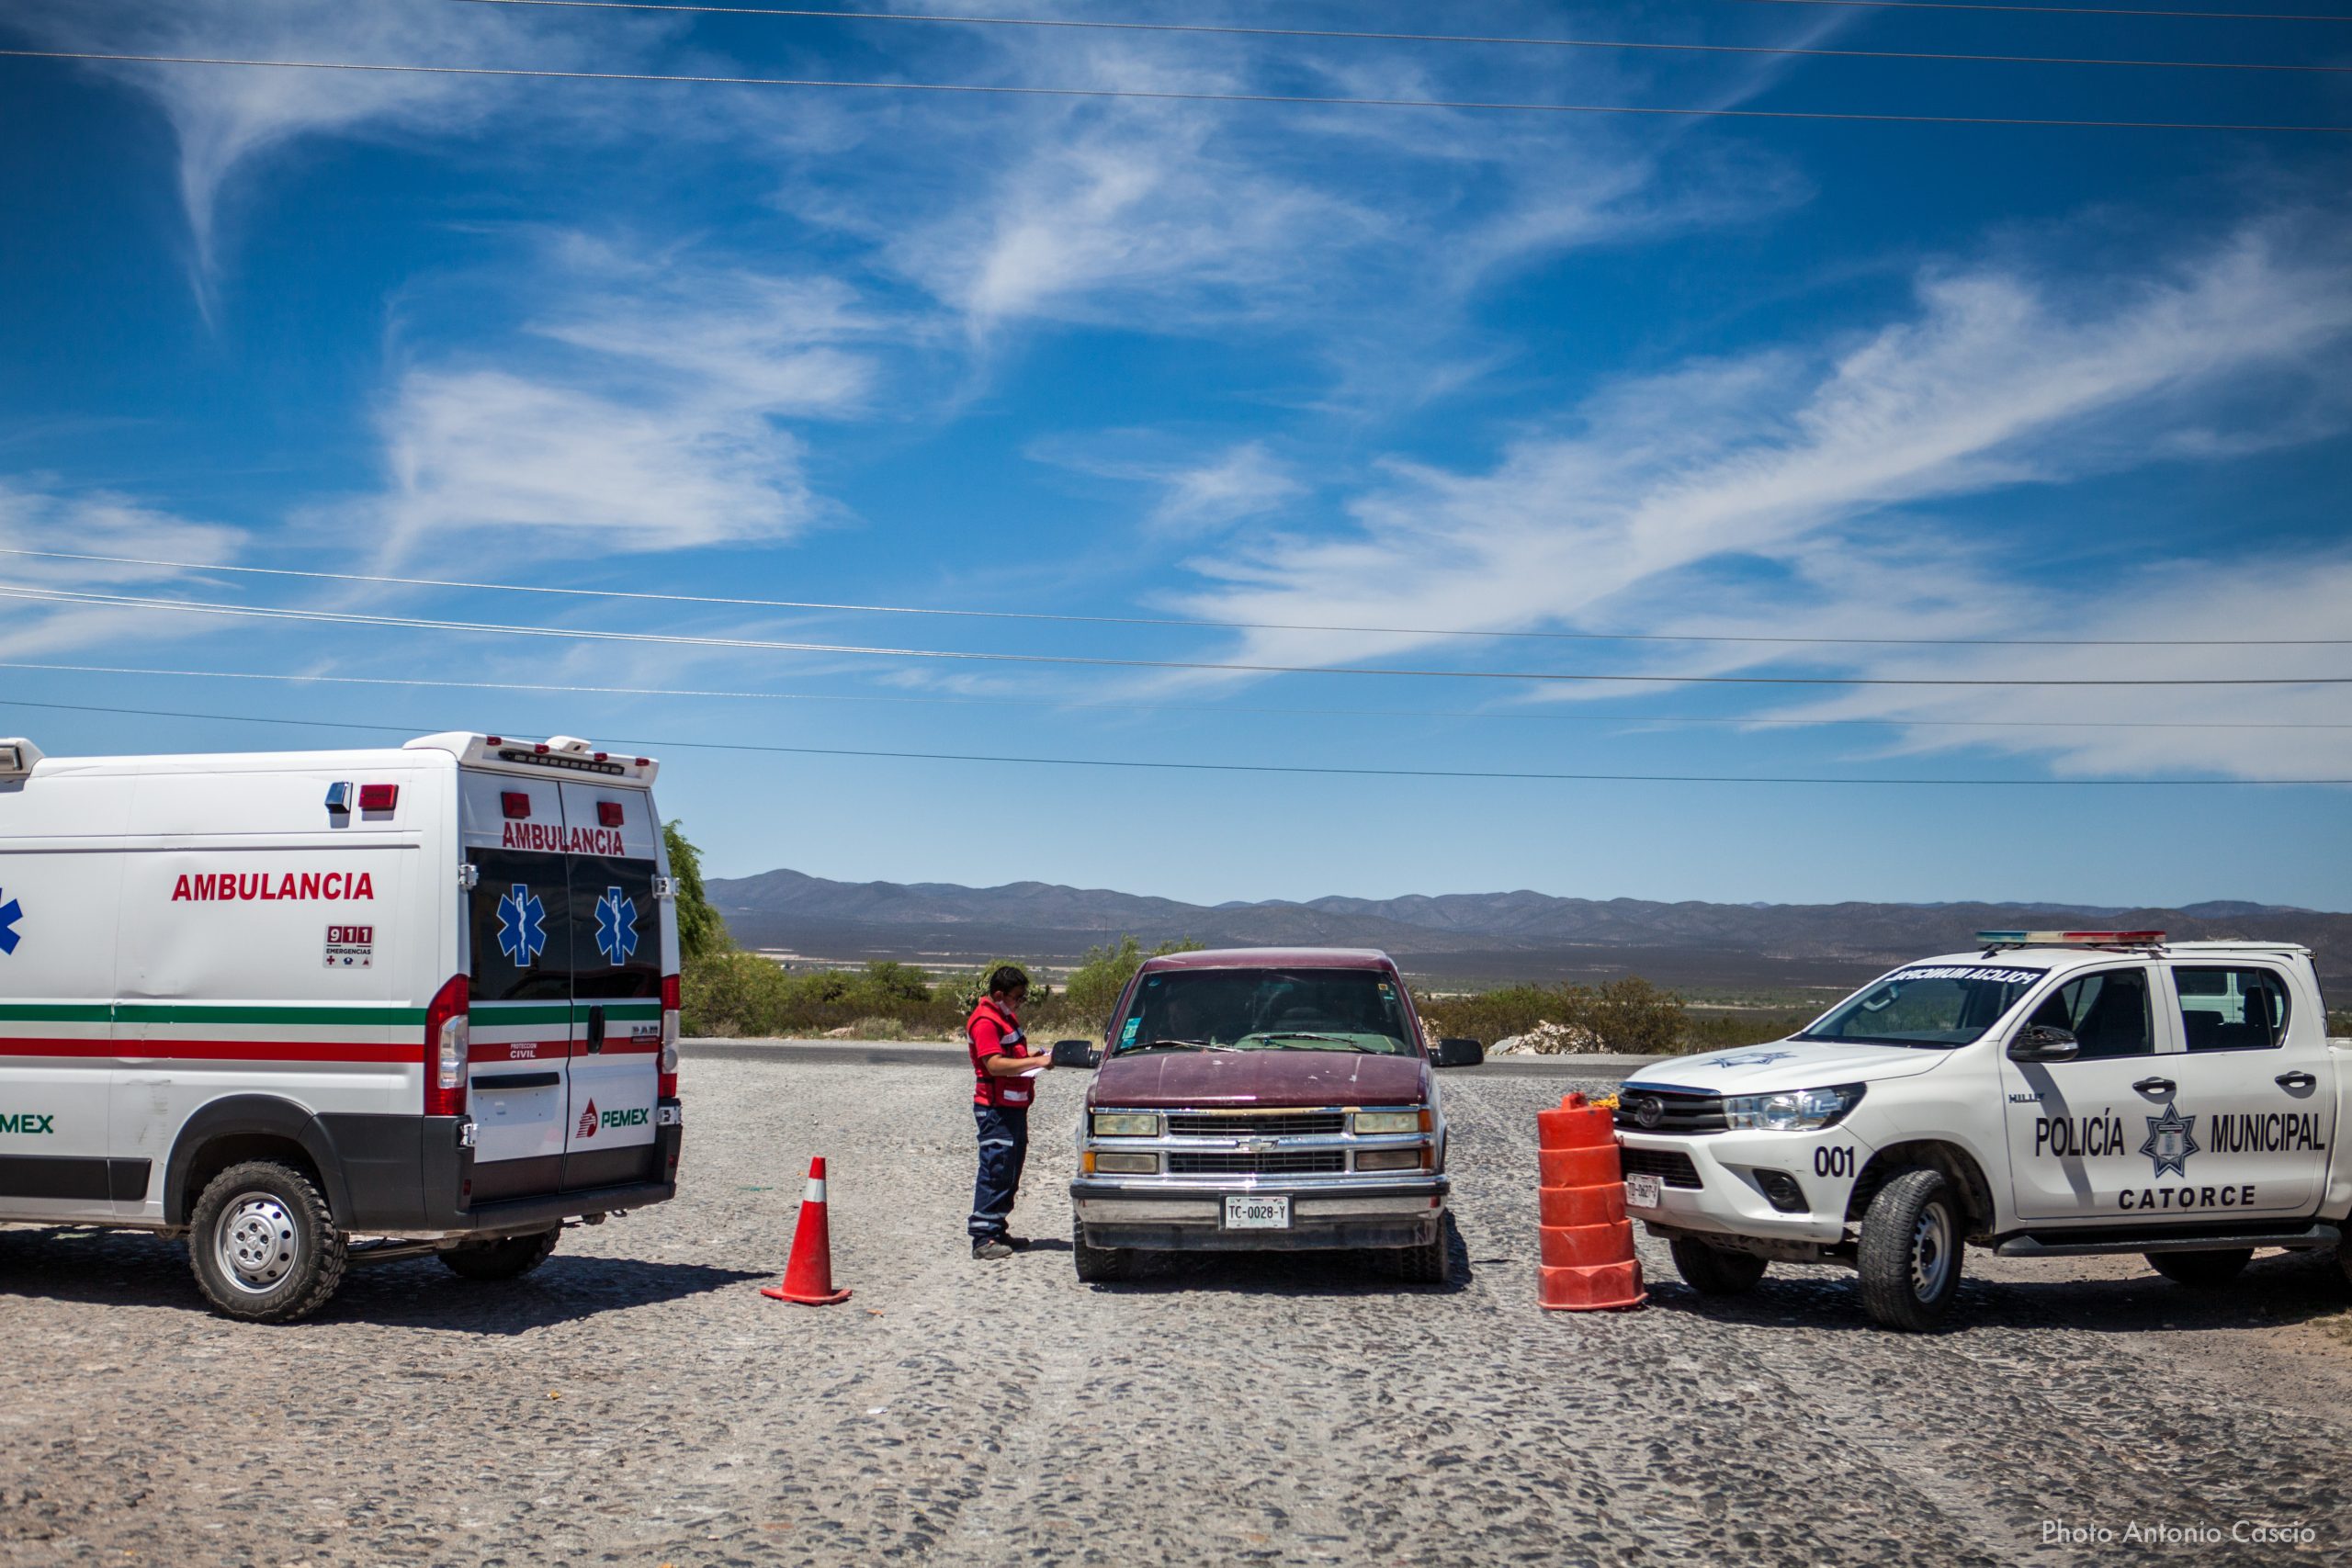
<point x="1794" y="1110"/>
<point x="1126" y="1124"/>
<point x="1392" y="1121"/>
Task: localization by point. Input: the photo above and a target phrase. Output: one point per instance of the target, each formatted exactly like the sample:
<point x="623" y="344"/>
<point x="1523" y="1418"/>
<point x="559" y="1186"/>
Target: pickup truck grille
<point x="1671" y="1166"/>
<point x="1287" y="1125"/>
<point x="1645" y="1110"/>
<point x="1282" y="1162"/>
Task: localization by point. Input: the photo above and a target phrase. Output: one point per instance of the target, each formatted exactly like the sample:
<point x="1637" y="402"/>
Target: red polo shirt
<point x="995" y="1033"/>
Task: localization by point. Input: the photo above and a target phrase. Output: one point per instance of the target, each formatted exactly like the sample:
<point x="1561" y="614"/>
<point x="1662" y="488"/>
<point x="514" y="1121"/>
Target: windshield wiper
<point x="1174" y="1045"/>
<point x="1347" y="1040"/>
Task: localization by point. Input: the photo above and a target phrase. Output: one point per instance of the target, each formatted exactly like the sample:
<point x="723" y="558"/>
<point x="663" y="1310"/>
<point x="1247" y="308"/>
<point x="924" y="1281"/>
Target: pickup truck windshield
<point x="1267" y="1010"/>
<point x="1933" y="1006"/>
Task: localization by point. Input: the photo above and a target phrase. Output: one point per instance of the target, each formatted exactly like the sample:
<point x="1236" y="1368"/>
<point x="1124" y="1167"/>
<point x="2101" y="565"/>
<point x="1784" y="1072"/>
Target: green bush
<point x="701" y="931"/>
<point x="1094" y="987"/>
<point x="1631" y="1015"/>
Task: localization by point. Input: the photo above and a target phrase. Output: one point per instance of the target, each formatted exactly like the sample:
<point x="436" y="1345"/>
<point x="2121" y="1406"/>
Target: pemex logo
<point x="587" y="1128"/>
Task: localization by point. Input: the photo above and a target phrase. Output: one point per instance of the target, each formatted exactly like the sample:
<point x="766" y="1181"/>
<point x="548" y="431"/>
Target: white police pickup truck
<point x="2046" y="1094"/>
<point x="310" y="1009"/>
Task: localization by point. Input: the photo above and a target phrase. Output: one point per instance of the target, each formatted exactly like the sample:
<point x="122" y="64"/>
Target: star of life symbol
<point x="522" y="926"/>
<point x="2172" y="1138"/>
<point x="10" y="913"/>
<point x="616" y="926"/>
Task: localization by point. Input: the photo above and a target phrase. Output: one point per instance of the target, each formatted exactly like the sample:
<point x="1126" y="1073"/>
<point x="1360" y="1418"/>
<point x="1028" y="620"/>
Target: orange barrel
<point x="1575" y="1125"/>
<point x="1587" y="1261"/>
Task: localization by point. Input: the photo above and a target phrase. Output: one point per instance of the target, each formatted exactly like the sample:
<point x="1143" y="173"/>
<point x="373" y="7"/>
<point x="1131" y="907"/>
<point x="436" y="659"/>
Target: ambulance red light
<point x="516" y="803"/>
<point x="447" y="1031"/>
<point x="666" y="1074"/>
<point x="379" y="797"/>
<point x="608" y="813"/>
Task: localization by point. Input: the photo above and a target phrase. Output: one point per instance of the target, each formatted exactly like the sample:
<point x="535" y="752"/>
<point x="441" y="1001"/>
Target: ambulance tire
<point x="1910" y="1255"/>
<point x="1715" y="1270"/>
<point x="2201" y="1270"/>
<point x="263" y="1243"/>
<point x="508" y="1257"/>
<point x="1097" y="1265"/>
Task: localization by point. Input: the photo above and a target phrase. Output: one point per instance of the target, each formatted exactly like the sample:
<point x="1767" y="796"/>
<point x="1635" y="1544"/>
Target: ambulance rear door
<point x="614" y="846"/>
<point x="520" y="929"/>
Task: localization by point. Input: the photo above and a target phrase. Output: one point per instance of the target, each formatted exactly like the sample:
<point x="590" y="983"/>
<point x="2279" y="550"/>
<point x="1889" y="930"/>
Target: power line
<point x="801" y="14"/>
<point x="1163" y="95"/>
<point x="420" y="623"/>
<point x="2059" y="10"/>
<point x="544" y="688"/>
<point x="1154" y="765"/>
<point x="1170" y="621"/>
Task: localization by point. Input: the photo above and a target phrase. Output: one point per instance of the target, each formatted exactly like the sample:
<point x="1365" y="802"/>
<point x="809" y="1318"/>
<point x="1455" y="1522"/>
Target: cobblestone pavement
<point x="638" y="1401"/>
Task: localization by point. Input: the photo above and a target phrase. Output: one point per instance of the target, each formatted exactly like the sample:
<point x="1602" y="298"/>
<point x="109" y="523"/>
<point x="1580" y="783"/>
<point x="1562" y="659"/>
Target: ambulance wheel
<point x="1713" y="1270"/>
<point x="2201" y="1270"/>
<point x="508" y="1257"/>
<point x="1096" y="1264"/>
<point x="1909" y="1259"/>
<point x="263" y="1243"/>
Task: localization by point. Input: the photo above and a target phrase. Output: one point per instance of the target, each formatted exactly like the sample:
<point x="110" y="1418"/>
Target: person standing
<point x="1002" y="1069"/>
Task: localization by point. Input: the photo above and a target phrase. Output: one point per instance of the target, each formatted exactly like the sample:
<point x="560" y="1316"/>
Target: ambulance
<point x="308" y="1009"/>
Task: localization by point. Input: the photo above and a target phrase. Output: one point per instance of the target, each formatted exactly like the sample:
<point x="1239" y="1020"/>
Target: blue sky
<point x="1493" y="373"/>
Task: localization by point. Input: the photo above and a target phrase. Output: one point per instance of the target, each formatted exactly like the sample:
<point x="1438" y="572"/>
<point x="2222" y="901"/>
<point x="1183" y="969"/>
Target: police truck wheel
<point x="1909" y="1259"/>
<point x="1715" y="1270"/>
<point x="2201" y="1270"/>
<point x="263" y="1243"/>
<point x="1095" y="1264"/>
<point x="508" y="1257"/>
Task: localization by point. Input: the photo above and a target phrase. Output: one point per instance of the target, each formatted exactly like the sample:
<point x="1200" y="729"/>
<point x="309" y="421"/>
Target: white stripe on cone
<point x="815" y="1189"/>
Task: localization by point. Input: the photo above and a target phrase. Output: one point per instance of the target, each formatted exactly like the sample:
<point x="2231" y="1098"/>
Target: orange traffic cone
<point x="808" y="1273"/>
<point x="1587" y="1260"/>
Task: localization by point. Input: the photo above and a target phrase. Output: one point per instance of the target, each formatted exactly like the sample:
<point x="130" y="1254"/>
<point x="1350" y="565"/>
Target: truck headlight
<point x="1126" y="1124"/>
<point x="1390" y="1159"/>
<point x="1792" y="1110"/>
<point x="1134" y="1164"/>
<point x="1391" y="1121"/>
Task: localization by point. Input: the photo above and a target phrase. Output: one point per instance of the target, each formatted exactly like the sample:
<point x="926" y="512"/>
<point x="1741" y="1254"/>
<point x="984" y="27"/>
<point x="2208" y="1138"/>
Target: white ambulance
<point x="2047" y="1094"/>
<point x="309" y="1009"/>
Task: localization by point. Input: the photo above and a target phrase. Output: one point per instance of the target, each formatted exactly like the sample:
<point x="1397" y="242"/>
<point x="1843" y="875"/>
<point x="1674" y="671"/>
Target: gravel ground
<point x="638" y="1401"/>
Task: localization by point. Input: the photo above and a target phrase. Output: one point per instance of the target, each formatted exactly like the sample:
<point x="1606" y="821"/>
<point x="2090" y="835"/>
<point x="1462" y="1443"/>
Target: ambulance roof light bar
<point x="1994" y="942"/>
<point x="17" y="756"/>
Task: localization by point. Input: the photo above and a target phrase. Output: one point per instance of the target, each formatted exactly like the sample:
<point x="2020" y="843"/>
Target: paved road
<point x="638" y="1402"/>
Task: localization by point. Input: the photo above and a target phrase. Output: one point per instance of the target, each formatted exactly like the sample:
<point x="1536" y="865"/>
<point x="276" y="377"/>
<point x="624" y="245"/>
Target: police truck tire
<point x="1910" y="1255"/>
<point x="1096" y="1265"/>
<point x="263" y="1243"/>
<point x="2201" y="1270"/>
<point x="1713" y="1270"/>
<point x="508" y="1257"/>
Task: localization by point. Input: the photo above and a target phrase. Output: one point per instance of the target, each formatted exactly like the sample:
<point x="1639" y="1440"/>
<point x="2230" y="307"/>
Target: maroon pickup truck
<point x="1263" y="1098"/>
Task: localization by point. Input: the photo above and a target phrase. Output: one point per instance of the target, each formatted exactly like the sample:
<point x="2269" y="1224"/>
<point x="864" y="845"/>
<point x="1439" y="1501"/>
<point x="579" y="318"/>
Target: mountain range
<point x="1455" y="936"/>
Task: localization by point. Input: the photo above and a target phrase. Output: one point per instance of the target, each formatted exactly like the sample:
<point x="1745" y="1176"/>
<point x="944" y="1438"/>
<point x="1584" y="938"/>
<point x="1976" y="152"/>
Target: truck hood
<point x="1789" y="1064"/>
<point x="1171" y="1080"/>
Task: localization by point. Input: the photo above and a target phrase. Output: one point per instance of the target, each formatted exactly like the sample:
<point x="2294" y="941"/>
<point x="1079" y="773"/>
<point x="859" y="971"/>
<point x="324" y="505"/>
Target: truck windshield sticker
<point x="10" y="913"/>
<point x="1966" y="972"/>
<point x="522" y="926"/>
<point x="616" y="926"/>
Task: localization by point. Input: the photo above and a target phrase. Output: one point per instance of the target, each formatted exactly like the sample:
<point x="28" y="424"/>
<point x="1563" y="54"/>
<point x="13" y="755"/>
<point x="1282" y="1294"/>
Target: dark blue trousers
<point x="1004" y="1149"/>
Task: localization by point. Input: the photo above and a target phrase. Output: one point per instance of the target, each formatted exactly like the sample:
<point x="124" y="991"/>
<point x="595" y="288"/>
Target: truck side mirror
<point x="1076" y="1054"/>
<point x="2045" y="1042"/>
<point x="1457" y="1054"/>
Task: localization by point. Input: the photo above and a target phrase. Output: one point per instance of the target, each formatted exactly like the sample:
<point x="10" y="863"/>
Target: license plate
<point x="1641" y="1192"/>
<point x="1257" y="1214"/>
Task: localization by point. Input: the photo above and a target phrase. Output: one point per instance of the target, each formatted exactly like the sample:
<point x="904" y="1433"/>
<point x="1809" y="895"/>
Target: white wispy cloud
<point x="39" y="514"/>
<point x="1796" y="459"/>
<point x="651" y="415"/>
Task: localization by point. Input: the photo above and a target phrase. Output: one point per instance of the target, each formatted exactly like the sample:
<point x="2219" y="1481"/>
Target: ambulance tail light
<point x="667" y="1085"/>
<point x="447" y="1031"/>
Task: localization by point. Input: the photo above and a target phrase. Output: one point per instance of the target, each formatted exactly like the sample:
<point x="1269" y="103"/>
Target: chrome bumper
<point x="1180" y="1215"/>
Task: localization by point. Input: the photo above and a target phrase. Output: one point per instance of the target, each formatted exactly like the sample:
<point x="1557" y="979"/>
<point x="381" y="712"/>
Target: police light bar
<point x="2071" y="938"/>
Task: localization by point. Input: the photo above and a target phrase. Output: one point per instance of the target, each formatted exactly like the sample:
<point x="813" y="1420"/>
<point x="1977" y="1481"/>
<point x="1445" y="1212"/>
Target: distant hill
<point x="1485" y="936"/>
